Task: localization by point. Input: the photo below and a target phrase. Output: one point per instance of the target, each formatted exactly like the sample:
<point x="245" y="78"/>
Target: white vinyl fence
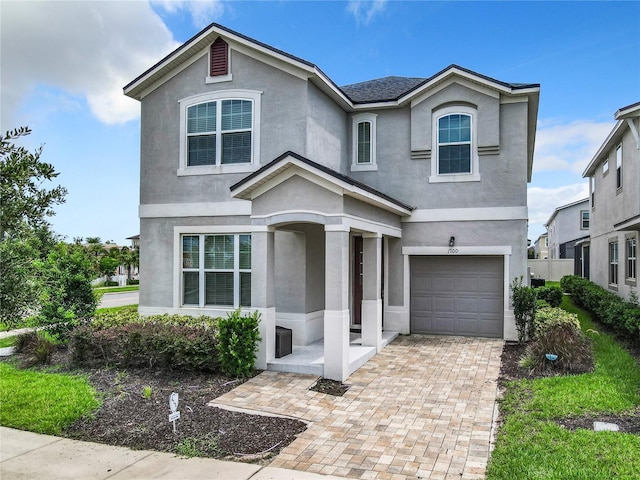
<point x="552" y="270"/>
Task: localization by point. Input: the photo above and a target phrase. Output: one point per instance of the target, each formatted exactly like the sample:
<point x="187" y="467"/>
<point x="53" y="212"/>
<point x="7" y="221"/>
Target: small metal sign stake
<point x="175" y="414"/>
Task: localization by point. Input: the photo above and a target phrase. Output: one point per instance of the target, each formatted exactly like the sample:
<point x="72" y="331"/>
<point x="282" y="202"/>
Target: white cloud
<point x="83" y="49"/>
<point x="203" y="12"/>
<point x="568" y="147"/>
<point x="543" y="201"/>
<point x="365" y="10"/>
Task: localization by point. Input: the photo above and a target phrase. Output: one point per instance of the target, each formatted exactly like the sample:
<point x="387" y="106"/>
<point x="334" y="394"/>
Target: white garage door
<point x="457" y="295"/>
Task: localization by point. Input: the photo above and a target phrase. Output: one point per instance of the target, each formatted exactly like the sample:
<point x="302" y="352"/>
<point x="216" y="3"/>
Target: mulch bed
<point x="330" y="387"/>
<point x="130" y="418"/>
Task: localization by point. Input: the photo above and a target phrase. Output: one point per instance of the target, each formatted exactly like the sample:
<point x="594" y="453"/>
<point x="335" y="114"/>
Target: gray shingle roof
<point x="381" y="89"/>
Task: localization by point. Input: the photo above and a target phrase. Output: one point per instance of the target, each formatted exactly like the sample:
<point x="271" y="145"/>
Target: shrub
<point x="547" y="317"/>
<point x="238" y="340"/>
<point x="551" y="295"/>
<point x="610" y="309"/>
<point x="110" y="283"/>
<point x="147" y="344"/>
<point x="131" y="281"/>
<point x="573" y="349"/>
<point x="523" y="300"/>
<point x="38" y="347"/>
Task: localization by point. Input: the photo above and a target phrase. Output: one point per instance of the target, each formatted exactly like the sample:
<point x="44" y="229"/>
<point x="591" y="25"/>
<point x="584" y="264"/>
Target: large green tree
<point x="26" y="202"/>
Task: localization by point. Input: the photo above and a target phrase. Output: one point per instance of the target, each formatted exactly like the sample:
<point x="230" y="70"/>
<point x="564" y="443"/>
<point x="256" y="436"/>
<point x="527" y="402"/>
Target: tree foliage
<point x="25" y="203"/>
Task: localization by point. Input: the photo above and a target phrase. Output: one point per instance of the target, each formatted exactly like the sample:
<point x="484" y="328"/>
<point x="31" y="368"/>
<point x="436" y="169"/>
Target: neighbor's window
<point x="619" y="166"/>
<point x="613" y="263"/>
<point x="364" y="142"/>
<point x="584" y="219"/>
<point x="216" y="270"/>
<point x="454" y="144"/>
<point x="631" y="259"/>
<point x="219" y="132"/>
<point x="593" y="191"/>
<point x="605" y="167"/>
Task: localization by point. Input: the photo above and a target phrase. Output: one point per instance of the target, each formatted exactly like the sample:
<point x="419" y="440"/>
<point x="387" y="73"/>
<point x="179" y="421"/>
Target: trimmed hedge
<point x="623" y="316"/>
<point x="547" y="317"/>
<point x="551" y="295"/>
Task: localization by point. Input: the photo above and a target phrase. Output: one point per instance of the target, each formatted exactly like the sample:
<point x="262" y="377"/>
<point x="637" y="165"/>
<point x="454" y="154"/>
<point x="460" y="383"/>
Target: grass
<point x="43" y="402"/>
<point x="530" y="445"/>
<point x="133" y="308"/>
<point x="7" y="342"/>
<point x="128" y="288"/>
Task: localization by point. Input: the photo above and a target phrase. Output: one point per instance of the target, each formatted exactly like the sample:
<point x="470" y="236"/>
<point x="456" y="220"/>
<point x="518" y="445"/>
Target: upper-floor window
<point x="619" y="166"/>
<point x="364" y="142"/>
<point x="592" y="181"/>
<point x="584" y="219"/>
<point x="605" y="167"/>
<point x="454" y="157"/>
<point x="219" y="132"/>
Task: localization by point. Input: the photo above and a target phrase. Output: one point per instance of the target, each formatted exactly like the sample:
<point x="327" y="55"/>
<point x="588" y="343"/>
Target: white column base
<point x="267" y="347"/>
<point x="336" y="344"/>
<point x="372" y="324"/>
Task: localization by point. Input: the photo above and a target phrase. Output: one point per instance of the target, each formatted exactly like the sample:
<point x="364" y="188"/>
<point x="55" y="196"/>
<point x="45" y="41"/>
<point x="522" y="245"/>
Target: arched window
<point x="454" y="144"/>
<point x="364" y="142"/>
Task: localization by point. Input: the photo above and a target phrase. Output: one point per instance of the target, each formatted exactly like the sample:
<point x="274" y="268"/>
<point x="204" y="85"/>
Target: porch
<point x="309" y="359"/>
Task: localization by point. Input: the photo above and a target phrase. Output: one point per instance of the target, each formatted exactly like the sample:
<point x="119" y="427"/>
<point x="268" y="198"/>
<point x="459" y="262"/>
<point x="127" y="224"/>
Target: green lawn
<point x="530" y="445"/>
<point x="43" y="402"/>
<point x="7" y="342"/>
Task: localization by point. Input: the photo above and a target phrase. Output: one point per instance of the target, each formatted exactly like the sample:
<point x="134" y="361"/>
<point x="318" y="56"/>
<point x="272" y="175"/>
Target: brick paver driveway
<point x="421" y="408"/>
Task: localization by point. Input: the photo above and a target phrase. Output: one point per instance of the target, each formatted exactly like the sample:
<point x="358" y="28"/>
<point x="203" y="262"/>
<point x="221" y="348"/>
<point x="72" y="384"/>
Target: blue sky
<point x="63" y="66"/>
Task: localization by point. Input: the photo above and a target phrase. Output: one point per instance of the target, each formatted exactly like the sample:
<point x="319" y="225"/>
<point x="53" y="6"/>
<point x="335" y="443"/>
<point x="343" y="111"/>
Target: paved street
<point x="121" y="299"/>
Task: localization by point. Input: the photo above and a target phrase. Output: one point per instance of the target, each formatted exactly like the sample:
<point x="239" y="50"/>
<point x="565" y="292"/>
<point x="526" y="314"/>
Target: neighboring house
<point x="135" y="241"/>
<point x="541" y="247"/>
<point x="568" y="225"/>
<point x="396" y="205"/>
<point x="614" y="179"/>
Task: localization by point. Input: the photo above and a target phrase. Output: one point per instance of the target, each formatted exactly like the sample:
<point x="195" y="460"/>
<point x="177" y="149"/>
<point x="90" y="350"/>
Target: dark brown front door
<point x="356" y="318"/>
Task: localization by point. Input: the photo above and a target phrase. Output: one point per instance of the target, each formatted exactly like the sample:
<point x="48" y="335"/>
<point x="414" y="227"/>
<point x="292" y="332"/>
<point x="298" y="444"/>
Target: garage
<point x="457" y="295"/>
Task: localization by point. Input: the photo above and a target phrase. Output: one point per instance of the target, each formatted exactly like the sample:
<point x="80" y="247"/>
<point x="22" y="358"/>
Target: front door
<point x="356" y="282"/>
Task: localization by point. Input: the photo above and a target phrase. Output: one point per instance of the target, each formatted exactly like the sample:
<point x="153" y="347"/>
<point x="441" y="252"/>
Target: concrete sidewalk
<point x="26" y="455"/>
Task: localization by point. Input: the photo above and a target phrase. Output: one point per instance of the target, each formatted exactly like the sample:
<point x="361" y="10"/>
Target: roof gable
<point x="280" y="169"/>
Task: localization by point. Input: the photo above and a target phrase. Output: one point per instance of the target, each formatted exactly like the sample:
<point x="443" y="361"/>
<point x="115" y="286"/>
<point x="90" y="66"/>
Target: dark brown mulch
<point x="330" y="387"/>
<point x="626" y="423"/>
<point x="130" y="418"/>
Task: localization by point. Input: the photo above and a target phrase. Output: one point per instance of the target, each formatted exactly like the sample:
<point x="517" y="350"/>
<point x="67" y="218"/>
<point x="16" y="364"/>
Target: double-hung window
<point x="216" y="270"/>
<point x="613" y="263"/>
<point x="619" y="167"/>
<point x="631" y="253"/>
<point x="220" y="132"/>
<point x="454" y="156"/>
<point x="364" y="142"/>
<point x="584" y="219"/>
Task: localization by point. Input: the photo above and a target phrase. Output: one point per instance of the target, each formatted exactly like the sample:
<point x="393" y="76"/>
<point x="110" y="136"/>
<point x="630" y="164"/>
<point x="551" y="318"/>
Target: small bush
<point x="551" y="295"/>
<point x="131" y="281"/>
<point x="523" y="300"/>
<point x="547" y="317"/>
<point x="110" y="283"/>
<point x="238" y="341"/>
<point x="38" y="347"/>
<point x="573" y="349"/>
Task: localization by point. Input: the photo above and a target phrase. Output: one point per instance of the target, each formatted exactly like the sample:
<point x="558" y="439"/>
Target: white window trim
<point x="613" y="262"/>
<point x="201" y="270"/>
<point x="582" y="219"/>
<point x="619" y="171"/>
<point x="474" y="176"/>
<point x="631" y="280"/>
<point x="357" y="119"/>
<point x="255" y="97"/>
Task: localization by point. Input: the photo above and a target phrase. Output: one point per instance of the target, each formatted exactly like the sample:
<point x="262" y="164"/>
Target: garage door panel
<point x="457" y="295"/>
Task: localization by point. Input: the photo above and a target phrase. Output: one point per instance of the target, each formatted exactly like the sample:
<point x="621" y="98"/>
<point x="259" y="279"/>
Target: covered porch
<point x="306" y="274"/>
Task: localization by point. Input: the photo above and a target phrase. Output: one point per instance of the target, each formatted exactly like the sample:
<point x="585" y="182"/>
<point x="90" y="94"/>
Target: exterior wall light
<point x="452" y="241"/>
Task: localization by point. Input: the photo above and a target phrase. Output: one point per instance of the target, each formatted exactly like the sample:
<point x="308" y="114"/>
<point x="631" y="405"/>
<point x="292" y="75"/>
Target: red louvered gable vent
<point x="219" y="58"/>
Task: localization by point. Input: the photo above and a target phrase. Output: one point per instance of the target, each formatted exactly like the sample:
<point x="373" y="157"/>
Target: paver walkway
<point x="421" y="408"/>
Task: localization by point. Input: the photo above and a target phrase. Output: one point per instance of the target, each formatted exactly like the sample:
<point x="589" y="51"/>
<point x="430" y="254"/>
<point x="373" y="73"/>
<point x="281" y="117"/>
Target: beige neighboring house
<point x="541" y="247"/>
<point x="614" y="180"/>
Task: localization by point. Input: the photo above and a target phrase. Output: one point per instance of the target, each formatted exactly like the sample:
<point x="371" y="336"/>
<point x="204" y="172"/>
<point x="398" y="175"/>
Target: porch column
<point x="371" y="290"/>
<point x="262" y="293"/>
<point x="336" y="304"/>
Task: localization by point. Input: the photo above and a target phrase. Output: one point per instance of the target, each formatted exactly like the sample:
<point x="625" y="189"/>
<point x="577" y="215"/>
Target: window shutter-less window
<point x="219" y="58"/>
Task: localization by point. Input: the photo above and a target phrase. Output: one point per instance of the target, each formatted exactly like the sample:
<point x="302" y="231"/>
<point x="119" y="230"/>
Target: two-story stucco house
<point x="614" y="179"/>
<point x="567" y="225"/>
<point x="541" y="247"/>
<point x="347" y="214"/>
